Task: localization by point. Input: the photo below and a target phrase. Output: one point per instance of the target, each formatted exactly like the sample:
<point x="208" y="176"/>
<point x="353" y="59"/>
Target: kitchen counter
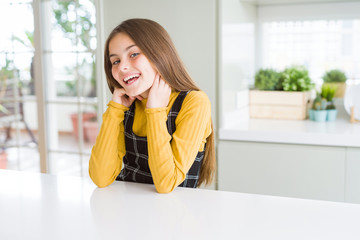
<point x="340" y="133"/>
<point x="41" y="206"/>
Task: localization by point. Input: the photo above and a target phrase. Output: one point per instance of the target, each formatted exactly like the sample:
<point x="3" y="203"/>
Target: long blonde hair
<point x="157" y="46"/>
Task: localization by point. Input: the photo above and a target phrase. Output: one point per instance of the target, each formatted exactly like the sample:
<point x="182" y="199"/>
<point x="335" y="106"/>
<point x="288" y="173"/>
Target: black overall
<point x="136" y="167"/>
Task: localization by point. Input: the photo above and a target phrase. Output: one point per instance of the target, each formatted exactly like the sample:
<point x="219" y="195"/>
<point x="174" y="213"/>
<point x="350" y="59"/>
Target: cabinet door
<point x="302" y="171"/>
<point x="352" y="190"/>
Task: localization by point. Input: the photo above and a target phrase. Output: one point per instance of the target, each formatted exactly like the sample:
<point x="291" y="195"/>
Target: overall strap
<point x="174" y="111"/>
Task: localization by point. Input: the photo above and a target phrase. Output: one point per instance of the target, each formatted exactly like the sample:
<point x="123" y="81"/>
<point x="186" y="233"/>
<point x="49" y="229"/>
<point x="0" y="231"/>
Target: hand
<point x="159" y="93"/>
<point x="119" y="96"/>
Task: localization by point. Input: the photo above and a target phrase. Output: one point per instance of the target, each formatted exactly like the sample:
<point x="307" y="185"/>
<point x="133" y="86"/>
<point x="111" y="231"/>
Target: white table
<point x="40" y="206"/>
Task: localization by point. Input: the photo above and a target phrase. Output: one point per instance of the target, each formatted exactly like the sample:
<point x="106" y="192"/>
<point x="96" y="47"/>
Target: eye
<point x="116" y="62"/>
<point x="134" y="55"/>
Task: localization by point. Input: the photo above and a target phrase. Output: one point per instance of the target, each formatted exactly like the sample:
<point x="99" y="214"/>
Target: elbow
<point x="169" y="183"/>
<point x="101" y="183"/>
<point x="164" y="188"/>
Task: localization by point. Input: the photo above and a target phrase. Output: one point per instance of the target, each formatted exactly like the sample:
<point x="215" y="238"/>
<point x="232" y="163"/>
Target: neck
<point x="145" y="94"/>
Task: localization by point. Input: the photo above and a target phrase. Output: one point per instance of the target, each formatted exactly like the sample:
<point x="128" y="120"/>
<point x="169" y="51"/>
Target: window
<point x="18" y="111"/>
<point x="70" y="87"/>
<point x="320" y="45"/>
<point x="321" y="36"/>
<point x="68" y="81"/>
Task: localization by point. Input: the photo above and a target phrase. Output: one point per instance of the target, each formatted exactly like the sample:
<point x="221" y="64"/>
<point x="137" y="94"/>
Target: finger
<point x="121" y="91"/>
<point x="164" y="84"/>
<point x="139" y="97"/>
<point x="156" y="80"/>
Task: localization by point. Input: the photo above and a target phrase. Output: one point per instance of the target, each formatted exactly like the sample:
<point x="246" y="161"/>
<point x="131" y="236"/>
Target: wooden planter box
<point x="279" y="104"/>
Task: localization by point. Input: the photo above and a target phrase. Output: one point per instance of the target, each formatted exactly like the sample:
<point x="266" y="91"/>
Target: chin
<point x="137" y="93"/>
<point x="133" y="94"/>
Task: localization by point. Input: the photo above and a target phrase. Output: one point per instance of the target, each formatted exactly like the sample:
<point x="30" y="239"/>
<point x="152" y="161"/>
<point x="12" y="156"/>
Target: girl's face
<point x="130" y="67"/>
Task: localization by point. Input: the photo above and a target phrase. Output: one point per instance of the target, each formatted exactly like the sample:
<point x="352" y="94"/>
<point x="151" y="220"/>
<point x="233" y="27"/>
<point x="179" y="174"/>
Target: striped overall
<point x="136" y="167"/>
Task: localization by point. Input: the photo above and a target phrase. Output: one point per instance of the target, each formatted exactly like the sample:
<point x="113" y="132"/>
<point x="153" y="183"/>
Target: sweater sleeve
<point x="109" y="149"/>
<point x="170" y="161"/>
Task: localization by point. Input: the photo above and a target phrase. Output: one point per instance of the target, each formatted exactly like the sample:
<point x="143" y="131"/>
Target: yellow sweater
<point x="168" y="161"/>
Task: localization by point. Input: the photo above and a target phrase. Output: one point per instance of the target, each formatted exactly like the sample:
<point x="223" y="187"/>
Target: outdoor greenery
<point x="80" y="31"/>
<point x="29" y="43"/>
<point x="334" y="75"/>
<point x="7" y="72"/>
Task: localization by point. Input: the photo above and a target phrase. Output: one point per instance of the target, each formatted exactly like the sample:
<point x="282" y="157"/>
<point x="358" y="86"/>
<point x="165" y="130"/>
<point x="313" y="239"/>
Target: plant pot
<point x="91" y="130"/>
<point x="74" y="120"/>
<point x="3" y="159"/>
<point x="311" y="115"/>
<point x="319" y="115"/>
<point x="339" y="88"/>
<point x="331" y="115"/>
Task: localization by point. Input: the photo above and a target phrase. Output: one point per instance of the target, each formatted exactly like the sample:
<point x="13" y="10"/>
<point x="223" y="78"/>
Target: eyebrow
<point x="126" y="49"/>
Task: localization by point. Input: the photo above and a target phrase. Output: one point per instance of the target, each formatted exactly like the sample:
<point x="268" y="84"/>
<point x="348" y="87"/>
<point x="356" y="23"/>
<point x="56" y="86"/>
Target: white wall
<point x="192" y="26"/>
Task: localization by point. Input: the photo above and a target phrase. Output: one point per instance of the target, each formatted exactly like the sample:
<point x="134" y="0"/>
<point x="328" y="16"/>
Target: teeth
<point x="131" y="76"/>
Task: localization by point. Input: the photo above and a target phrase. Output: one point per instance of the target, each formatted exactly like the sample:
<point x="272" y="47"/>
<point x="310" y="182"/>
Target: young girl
<point x="157" y="127"/>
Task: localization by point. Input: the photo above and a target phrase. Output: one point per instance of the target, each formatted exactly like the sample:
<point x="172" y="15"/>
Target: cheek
<point x="116" y="76"/>
<point x="113" y="72"/>
<point x="147" y="68"/>
<point x="151" y="73"/>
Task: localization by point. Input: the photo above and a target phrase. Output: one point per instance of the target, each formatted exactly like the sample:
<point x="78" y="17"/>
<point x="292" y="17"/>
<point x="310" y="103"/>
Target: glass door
<point x="48" y="89"/>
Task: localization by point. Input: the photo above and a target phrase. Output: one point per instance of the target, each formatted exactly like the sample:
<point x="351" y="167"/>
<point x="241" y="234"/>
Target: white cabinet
<point x="303" y="171"/>
<point x="352" y="181"/>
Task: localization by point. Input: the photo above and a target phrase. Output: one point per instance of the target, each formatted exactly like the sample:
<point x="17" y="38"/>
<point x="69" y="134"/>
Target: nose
<point x="124" y="65"/>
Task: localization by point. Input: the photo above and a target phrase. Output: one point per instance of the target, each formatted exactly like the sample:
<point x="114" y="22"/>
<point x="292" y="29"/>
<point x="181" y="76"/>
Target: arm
<point x="169" y="162"/>
<point x="106" y="155"/>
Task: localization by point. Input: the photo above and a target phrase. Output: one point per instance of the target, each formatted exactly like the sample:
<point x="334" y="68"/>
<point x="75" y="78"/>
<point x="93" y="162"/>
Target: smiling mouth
<point x="131" y="78"/>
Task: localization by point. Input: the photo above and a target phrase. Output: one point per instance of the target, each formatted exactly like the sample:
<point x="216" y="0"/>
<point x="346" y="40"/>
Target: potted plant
<point x="323" y="108"/>
<point x="281" y="95"/>
<point x="328" y="92"/>
<point x="318" y="111"/>
<point x="268" y="79"/>
<point x="297" y="78"/>
<point x="86" y="116"/>
<point x="3" y="153"/>
<point x="91" y="129"/>
<point x="337" y="79"/>
<point x="3" y="159"/>
<point x="5" y="73"/>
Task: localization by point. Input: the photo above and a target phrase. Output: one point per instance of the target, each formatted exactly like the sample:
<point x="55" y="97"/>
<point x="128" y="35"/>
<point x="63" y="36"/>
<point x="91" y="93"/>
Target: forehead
<point x="119" y="43"/>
